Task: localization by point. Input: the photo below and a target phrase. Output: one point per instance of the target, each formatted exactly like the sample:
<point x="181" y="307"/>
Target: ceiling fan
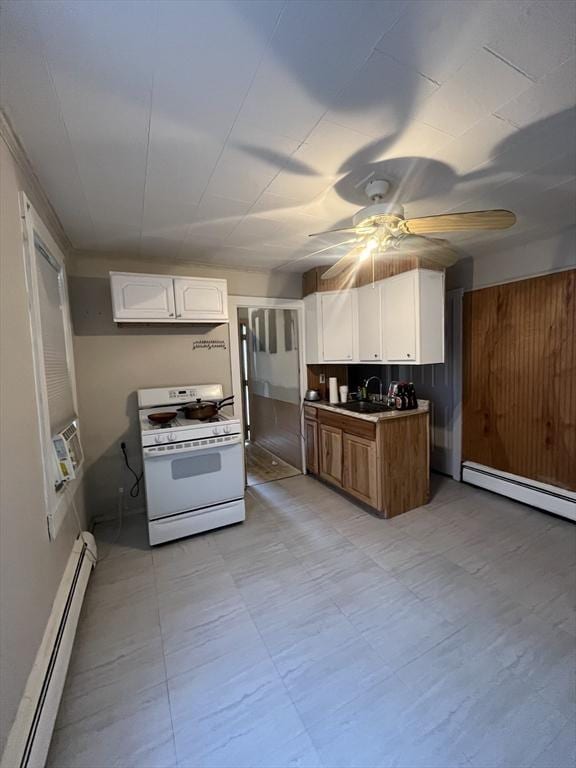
<point x="382" y="229"/>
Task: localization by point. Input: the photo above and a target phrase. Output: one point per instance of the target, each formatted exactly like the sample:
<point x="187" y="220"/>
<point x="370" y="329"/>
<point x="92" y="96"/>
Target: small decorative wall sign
<point x="208" y="344"/>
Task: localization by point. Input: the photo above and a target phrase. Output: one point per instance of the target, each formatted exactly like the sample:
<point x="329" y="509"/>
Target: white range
<point x="193" y="470"/>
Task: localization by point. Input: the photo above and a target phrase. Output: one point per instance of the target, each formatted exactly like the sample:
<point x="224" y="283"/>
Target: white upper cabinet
<point x="396" y="320"/>
<point x="413" y="317"/>
<point x="142" y="297"/>
<point x="400" y="319"/>
<point x="201" y="299"/>
<point x="370" y="323"/>
<point x="168" y="299"/>
<point x="339" y="323"/>
<point x="331" y="327"/>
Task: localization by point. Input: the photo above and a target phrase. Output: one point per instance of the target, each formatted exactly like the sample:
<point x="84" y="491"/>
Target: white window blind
<point x="56" y="370"/>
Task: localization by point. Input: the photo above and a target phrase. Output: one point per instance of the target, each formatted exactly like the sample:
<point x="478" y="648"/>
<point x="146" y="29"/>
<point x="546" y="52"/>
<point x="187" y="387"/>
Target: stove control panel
<point x="160" y="439"/>
<point x="189" y="445"/>
<point x="151" y="398"/>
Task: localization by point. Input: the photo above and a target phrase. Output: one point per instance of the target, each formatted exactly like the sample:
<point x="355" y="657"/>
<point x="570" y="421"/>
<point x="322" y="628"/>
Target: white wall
<point x="241" y="282"/>
<point x="516" y="261"/>
<point x="30" y="565"/>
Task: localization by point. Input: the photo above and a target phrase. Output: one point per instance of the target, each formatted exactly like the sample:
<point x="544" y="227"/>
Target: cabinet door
<point x="142" y="297"/>
<point x="360" y="467"/>
<point x="400" y="308"/>
<point x="370" y="323"/>
<point x="330" y="454"/>
<point x="200" y="299"/>
<point x="311" y="439"/>
<point x="338" y="325"/>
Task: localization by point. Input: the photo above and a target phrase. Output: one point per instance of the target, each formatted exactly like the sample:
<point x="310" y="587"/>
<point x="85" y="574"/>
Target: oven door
<point x="184" y="481"/>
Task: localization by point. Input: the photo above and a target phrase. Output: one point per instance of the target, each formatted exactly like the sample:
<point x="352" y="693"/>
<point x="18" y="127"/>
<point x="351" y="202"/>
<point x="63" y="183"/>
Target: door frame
<point x="258" y="302"/>
<point x="455" y="297"/>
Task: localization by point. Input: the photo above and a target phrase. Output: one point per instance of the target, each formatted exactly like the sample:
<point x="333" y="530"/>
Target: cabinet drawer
<point x="310" y="412"/>
<point x="359" y="427"/>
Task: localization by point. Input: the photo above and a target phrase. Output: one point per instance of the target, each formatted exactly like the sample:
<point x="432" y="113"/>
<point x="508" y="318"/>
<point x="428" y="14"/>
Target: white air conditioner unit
<point x="68" y="455"/>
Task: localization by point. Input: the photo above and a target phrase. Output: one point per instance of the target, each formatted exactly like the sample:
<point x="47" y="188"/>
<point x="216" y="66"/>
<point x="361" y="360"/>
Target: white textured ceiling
<point x="225" y="132"/>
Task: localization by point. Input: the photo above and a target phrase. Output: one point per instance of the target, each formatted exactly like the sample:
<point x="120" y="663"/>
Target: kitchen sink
<point x="363" y="406"/>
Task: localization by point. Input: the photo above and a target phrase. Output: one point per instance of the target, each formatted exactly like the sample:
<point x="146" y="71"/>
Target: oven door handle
<point x="152" y="452"/>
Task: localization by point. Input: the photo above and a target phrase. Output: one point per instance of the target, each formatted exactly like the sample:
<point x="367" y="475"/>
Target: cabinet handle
<point x="408" y="355"/>
<point x="171" y="314"/>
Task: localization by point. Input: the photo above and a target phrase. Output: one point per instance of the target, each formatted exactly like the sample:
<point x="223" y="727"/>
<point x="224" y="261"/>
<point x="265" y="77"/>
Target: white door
<point x="399" y="308"/>
<point x="201" y="299"/>
<point x="338" y="325"/>
<point x="142" y="297"/>
<point x="370" y="323"/>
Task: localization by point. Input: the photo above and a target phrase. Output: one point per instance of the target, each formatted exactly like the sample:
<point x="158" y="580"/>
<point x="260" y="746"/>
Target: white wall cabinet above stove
<point x="396" y="320"/>
<point x="201" y="299"/>
<point x="168" y="299"/>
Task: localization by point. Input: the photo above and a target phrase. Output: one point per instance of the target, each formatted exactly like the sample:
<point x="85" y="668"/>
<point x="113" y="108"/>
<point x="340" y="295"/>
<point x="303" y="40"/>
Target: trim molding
<point x="47" y="210"/>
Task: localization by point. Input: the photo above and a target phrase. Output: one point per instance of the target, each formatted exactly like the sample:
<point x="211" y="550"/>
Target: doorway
<point x="270" y="384"/>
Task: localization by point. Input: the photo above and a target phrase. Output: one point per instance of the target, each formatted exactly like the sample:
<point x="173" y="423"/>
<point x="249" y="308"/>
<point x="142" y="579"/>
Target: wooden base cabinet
<point x="384" y="464"/>
<point x="311" y="439"/>
<point x="330" y="453"/>
<point x="359" y="469"/>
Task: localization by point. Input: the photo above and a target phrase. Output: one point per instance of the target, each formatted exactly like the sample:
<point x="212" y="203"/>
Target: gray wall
<point x="113" y="362"/>
<point x="31" y="566"/>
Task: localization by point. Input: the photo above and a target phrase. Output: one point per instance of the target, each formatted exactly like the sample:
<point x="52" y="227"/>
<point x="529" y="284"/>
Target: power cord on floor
<point x="135" y="489"/>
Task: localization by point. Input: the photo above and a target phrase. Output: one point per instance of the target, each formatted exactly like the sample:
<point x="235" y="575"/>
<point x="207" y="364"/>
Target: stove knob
<point x="171" y="438"/>
<point x="226" y="430"/>
<point x="215" y="431"/>
<point x="157" y="439"/>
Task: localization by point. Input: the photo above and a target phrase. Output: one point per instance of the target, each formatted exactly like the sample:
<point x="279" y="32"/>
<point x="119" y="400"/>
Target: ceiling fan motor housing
<point x="393" y="210"/>
<point x="377" y="189"/>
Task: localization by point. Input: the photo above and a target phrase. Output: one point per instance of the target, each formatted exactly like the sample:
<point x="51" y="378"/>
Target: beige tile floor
<point x="317" y="635"/>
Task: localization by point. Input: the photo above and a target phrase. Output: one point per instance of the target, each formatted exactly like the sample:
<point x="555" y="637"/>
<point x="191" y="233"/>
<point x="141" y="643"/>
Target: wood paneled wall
<point x="362" y="274"/>
<point x="519" y="409"/>
<point x="275" y="425"/>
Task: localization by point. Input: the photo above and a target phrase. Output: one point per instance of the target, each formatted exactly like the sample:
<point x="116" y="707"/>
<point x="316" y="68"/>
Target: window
<point x="58" y="379"/>
<point x="53" y="364"/>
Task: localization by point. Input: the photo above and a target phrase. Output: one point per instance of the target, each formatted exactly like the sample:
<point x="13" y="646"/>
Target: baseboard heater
<point x="547" y="497"/>
<point x="29" y="739"/>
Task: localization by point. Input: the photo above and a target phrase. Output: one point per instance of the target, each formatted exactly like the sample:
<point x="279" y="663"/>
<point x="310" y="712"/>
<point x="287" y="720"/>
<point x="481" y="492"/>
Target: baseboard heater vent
<point x="29" y="739"/>
<point x="547" y="497"/>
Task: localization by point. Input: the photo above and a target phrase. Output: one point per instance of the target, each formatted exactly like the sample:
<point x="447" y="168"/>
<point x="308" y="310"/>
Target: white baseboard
<point x="29" y="739"/>
<point x="547" y="497"/>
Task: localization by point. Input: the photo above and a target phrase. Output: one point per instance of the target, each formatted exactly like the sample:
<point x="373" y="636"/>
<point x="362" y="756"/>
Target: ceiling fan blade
<point x="454" y="222"/>
<point x="329" y="247"/>
<point x="342" y="264"/>
<point x="432" y="249"/>
<point x="359" y="230"/>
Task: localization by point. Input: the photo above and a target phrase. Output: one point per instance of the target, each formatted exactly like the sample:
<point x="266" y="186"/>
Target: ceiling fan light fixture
<point x="370" y="246"/>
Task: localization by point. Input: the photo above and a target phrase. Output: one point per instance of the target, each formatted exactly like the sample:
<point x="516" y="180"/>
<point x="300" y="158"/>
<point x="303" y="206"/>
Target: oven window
<point x="194" y="466"/>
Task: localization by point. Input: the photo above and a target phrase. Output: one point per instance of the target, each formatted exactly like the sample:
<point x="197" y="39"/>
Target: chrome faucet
<point x="379" y="380"/>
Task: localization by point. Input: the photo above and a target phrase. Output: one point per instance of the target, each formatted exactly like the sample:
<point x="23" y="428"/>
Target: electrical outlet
<point x="322" y="378"/>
